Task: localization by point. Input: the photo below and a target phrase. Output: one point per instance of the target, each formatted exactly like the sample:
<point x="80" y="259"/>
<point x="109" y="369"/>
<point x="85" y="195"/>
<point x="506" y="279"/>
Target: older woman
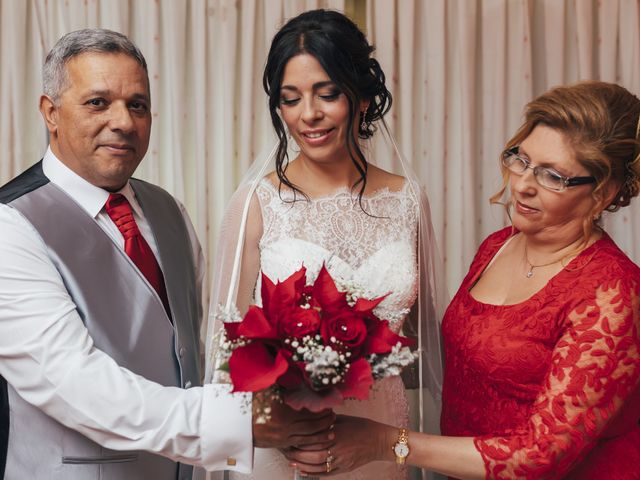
<point x="542" y="376"/>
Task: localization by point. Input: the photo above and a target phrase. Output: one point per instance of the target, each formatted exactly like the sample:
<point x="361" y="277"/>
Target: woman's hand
<point x="357" y="441"/>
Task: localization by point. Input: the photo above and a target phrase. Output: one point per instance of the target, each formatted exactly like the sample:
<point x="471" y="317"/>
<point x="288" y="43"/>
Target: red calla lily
<point x="326" y="293"/>
<point x="253" y="367"/>
<point x="381" y="339"/>
<point x="256" y="325"/>
<point x="366" y="306"/>
<point x="357" y="381"/>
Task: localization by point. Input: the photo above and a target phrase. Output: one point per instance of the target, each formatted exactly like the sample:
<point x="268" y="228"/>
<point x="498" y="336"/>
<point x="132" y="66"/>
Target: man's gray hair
<point x="97" y="40"/>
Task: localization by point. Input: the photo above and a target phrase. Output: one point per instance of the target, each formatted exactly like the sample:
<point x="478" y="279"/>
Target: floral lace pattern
<point x="549" y="387"/>
<point x="375" y="252"/>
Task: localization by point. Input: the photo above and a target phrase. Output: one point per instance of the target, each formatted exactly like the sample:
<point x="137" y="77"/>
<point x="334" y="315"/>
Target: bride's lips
<point x="317" y="137"/>
<point x="524" y="209"/>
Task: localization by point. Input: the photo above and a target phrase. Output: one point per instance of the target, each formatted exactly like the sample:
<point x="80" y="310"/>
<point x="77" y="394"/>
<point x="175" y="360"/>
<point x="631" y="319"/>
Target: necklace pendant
<point x="530" y="273"/>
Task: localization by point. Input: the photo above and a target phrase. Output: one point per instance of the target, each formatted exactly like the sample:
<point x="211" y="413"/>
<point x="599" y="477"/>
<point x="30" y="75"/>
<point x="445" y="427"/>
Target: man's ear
<point x="49" y="112"/>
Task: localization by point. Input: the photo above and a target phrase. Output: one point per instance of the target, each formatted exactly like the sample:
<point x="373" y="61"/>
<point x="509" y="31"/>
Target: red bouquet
<point x="314" y="344"/>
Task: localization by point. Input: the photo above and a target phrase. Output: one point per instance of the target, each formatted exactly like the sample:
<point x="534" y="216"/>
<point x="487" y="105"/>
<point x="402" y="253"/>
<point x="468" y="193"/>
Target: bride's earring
<point x="363" y="123"/>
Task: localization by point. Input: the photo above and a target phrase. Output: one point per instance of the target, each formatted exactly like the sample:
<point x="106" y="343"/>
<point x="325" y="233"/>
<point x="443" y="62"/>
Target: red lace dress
<point x="550" y="387"/>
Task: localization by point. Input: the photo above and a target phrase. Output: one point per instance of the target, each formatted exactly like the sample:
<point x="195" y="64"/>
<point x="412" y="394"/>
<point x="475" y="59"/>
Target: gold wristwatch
<point x="401" y="447"/>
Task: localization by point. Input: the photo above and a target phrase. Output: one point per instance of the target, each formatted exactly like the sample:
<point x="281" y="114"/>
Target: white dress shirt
<point x="48" y="356"/>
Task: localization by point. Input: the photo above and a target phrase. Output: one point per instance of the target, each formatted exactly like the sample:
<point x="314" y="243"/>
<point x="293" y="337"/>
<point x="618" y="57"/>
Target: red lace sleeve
<point x="595" y="367"/>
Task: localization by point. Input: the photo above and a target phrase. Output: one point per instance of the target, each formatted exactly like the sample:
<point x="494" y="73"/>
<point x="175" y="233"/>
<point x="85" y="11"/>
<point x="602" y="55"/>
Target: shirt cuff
<point x="227" y="435"/>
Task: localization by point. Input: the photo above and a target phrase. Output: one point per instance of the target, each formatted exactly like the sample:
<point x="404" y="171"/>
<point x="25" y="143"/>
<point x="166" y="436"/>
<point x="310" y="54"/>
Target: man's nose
<point x="121" y="118"/>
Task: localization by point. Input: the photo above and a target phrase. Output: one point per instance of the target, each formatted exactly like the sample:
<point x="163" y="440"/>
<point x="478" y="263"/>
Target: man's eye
<point x="96" y="102"/>
<point x="139" y="106"/>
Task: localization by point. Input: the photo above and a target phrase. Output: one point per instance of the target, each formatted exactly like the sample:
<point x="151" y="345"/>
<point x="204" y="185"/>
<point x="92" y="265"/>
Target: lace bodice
<point x="550" y="387"/>
<point x="374" y="252"/>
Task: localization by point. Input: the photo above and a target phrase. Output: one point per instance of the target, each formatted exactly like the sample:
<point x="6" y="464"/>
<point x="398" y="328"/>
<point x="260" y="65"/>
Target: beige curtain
<point x="460" y="72"/>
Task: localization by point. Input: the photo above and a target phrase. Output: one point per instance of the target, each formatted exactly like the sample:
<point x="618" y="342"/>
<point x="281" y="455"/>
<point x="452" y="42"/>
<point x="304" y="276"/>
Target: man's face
<point x="101" y="123"/>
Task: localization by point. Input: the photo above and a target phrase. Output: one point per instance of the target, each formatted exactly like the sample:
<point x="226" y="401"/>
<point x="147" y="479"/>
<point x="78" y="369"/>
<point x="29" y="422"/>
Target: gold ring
<point x="329" y="460"/>
<point x="328" y="466"/>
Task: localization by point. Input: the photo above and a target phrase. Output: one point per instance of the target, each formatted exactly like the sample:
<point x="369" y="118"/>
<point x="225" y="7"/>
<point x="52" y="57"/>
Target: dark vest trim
<point x="4" y="425"/>
<point x="26" y="182"/>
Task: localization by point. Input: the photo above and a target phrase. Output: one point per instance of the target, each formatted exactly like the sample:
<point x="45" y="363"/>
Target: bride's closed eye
<point x="289" y="101"/>
<point x="331" y="95"/>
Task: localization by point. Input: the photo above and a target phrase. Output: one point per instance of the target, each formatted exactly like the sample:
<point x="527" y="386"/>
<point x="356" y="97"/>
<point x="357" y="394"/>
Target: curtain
<point x="460" y="71"/>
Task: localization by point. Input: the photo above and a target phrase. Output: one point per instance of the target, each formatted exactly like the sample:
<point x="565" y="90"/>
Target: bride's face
<point x="315" y="110"/>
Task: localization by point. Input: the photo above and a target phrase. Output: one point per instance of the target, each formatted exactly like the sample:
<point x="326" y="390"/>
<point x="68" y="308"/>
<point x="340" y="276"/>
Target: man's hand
<point x="287" y="427"/>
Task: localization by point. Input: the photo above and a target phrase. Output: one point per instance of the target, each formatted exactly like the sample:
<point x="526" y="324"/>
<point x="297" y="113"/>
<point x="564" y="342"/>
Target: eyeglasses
<point x="546" y="177"/>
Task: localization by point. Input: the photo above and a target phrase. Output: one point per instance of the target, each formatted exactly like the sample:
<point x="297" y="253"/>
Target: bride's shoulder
<point x="268" y="186"/>
<point x="271" y="179"/>
<point x="379" y="179"/>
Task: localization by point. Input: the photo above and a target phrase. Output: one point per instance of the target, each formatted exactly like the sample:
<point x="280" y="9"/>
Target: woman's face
<point x="539" y="210"/>
<point x="315" y="110"/>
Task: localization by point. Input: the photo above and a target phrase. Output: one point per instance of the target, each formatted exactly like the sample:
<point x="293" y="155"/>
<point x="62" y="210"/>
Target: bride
<point x="329" y="205"/>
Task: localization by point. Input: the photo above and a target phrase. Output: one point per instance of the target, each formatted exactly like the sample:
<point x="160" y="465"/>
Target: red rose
<point x="298" y="322"/>
<point x="346" y="327"/>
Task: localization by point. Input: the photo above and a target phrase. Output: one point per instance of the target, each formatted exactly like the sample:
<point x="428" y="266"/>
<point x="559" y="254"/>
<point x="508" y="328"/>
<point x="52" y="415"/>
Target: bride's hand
<point x="358" y="441"/>
<point x="287" y="427"/>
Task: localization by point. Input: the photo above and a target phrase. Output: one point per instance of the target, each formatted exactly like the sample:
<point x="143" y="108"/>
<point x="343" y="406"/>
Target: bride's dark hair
<point x="345" y="54"/>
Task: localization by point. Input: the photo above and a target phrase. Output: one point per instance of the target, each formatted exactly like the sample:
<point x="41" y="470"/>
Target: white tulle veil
<point x="424" y="321"/>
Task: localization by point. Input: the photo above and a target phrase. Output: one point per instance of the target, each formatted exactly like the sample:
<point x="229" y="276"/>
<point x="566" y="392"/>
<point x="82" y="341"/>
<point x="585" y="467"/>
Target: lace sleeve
<point x="595" y="368"/>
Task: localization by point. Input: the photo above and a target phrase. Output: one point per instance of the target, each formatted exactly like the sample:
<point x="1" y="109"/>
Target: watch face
<point x="401" y="449"/>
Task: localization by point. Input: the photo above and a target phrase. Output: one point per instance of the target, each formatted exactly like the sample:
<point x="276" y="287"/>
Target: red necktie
<point x="139" y="251"/>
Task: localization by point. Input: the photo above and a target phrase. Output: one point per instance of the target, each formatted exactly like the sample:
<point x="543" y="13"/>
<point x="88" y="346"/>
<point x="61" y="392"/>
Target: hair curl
<point x="344" y="53"/>
<point x="600" y="122"/>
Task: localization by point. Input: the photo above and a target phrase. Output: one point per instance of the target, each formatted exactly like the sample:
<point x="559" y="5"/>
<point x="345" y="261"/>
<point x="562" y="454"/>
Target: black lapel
<point x="26" y="182"/>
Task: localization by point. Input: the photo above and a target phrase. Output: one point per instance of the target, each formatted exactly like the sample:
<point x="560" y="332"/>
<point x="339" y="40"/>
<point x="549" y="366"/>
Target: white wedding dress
<point x="373" y="250"/>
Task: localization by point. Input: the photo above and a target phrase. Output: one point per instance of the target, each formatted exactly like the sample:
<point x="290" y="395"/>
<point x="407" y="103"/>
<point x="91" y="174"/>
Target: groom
<point x="100" y="298"/>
